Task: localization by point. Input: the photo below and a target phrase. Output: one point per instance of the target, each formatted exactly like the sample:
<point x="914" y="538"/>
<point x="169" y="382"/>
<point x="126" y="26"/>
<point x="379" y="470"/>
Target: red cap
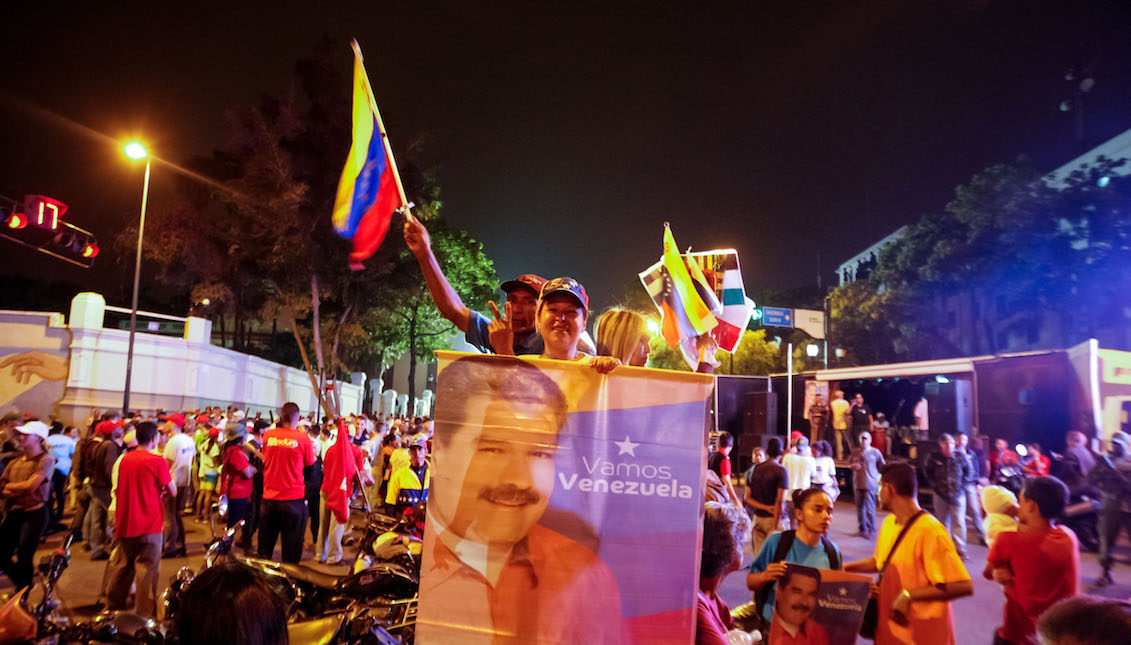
<point x="107" y="427"/>
<point x="524" y="281"/>
<point x="202" y="418"/>
<point x="796" y="434"/>
<point x="214" y="432"/>
<point x="177" y="418"/>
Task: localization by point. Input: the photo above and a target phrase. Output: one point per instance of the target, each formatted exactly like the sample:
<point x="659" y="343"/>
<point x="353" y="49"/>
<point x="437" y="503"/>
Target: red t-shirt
<point x="233" y="483"/>
<point x="712" y="620"/>
<point x="1046" y="568"/>
<point x="286" y="452"/>
<point x="141" y="477"/>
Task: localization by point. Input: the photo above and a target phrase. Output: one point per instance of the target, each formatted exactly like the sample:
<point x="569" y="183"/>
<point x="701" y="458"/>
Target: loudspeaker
<point x="760" y="413"/>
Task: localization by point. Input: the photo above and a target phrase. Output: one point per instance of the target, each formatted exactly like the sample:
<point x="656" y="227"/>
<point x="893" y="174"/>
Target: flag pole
<point x="381" y="129"/>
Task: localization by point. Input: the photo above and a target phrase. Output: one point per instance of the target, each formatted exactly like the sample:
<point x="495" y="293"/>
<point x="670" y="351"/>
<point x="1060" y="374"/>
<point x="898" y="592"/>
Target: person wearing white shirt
<point x="179" y="452"/>
<point x="800" y="469"/>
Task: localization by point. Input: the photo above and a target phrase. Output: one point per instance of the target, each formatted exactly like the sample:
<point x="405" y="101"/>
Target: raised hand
<point x="500" y="332"/>
<point x="416" y="236"/>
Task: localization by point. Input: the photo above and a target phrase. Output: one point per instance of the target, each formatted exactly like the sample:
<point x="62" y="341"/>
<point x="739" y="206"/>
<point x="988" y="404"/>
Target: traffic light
<point x="38" y="223"/>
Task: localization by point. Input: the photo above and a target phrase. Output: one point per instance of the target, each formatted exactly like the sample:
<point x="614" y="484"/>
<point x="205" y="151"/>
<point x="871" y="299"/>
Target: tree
<point x="1021" y="250"/>
<point x="255" y="237"/>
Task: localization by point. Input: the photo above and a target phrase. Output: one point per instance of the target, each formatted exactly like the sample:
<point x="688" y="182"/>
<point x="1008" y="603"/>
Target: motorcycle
<point x="392" y="540"/>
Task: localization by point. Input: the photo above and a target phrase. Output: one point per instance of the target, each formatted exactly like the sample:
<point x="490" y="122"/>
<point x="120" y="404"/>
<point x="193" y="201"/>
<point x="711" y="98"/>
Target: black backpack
<point x="784" y="545"/>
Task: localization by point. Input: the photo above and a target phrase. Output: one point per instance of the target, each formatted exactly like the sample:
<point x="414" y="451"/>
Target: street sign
<point x="777" y="317"/>
<point x="810" y="321"/>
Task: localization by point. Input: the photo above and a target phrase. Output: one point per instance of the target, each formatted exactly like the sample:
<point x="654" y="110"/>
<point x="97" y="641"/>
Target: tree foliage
<point x="1020" y="248"/>
<point x="250" y="230"/>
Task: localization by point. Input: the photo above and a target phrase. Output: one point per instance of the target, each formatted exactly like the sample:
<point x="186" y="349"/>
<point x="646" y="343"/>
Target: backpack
<point x="785" y="543"/>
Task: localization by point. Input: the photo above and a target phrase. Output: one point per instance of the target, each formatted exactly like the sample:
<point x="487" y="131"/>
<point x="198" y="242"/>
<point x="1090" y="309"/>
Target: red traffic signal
<point x="16" y="221"/>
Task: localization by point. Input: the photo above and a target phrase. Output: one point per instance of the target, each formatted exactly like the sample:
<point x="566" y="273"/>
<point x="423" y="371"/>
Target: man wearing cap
<point x="24" y="486"/>
<point x="101" y="482"/>
<point x="409" y="485"/>
<point x="143" y="479"/>
<point x="179" y="452"/>
<point x="1112" y="476"/>
<point x="522" y="301"/>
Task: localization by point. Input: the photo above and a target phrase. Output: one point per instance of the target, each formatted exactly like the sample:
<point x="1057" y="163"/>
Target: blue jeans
<point x="866" y="511"/>
<point x="953" y="517"/>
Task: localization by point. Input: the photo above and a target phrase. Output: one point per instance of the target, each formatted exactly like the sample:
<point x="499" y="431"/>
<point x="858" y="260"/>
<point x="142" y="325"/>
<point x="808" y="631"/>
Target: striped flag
<point x="723" y="275"/>
<point x="369" y="191"/>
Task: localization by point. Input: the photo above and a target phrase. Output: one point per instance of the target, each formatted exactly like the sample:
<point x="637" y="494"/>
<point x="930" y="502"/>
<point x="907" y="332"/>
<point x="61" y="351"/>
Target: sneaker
<point x="101" y="555"/>
<point x="1104" y="579"/>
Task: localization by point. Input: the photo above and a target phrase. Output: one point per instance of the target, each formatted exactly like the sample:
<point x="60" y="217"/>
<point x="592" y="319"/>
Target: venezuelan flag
<point x="685" y="313"/>
<point x="368" y="192"/>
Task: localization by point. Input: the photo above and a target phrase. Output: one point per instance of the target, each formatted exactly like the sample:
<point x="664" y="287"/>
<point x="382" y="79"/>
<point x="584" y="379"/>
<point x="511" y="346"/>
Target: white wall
<point x="174" y="373"/>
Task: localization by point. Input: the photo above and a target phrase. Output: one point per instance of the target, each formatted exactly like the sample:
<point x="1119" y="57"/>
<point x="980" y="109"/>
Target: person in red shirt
<point x="143" y="477"/>
<point x="236" y="472"/>
<point x="1037" y="565"/>
<point x="1038" y="464"/>
<point x="724" y="528"/>
<point x="286" y="451"/>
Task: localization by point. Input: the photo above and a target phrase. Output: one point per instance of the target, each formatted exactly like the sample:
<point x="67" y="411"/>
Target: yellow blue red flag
<point x="368" y="192"/>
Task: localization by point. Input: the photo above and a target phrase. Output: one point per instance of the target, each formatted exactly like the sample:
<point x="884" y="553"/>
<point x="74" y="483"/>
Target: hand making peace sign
<point x="500" y="332"/>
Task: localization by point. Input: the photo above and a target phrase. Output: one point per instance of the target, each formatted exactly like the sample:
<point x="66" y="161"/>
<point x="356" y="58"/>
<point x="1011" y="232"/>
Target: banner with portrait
<point x="565" y="505"/>
<point x="818" y="606"/>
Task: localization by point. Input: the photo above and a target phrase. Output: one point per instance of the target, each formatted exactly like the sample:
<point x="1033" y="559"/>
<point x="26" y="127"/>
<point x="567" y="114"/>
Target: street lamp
<point x="137" y="152"/>
<point x="811" y="350"/>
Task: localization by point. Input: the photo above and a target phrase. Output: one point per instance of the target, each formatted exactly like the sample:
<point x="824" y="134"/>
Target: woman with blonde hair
<point x="623" y="334"/>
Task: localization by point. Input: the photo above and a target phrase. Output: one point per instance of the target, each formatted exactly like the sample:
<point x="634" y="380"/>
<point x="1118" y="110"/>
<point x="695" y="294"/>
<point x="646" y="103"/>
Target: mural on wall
<point x="34" y="361"/>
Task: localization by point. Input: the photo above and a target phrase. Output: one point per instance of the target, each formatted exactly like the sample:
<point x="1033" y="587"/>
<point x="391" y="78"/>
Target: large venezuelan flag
<point x="367" y="192"/>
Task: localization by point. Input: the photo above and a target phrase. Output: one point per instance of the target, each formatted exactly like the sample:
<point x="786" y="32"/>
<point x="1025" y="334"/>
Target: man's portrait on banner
<point x="491" y="573"/>
<point x="794" y="608"/>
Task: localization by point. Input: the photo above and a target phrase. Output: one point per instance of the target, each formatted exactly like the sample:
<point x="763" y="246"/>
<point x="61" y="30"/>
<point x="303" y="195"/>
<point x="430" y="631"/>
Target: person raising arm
<point x="522" y="301"/>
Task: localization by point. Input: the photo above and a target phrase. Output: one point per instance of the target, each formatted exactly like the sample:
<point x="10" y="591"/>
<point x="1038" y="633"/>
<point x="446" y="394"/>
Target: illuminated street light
<point x="811" y="350"/>
<point x="653" y="326"/>
<point x="137" y="152"/>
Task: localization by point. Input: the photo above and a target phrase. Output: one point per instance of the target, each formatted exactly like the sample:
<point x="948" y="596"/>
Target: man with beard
<point x="796" y="602"/>
<point x="491" y="573"/>
<point x="522" y="301"/>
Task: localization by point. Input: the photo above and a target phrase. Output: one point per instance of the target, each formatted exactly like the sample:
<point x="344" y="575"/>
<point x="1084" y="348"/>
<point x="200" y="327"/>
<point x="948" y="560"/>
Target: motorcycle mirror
<point x="1021" y="450"/>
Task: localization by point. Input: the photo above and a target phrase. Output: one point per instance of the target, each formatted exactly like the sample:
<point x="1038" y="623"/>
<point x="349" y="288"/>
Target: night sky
<point x="566" y="133"/>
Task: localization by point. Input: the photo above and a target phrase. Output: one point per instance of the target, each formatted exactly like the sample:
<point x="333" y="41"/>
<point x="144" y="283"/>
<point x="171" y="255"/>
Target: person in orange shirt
<point x="922" y="575"/>
<point x="490" y="573"/>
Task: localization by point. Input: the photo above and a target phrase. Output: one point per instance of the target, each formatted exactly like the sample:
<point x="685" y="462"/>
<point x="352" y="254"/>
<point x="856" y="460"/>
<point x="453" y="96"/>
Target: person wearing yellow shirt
<point x="408" y="485"/>
<point x="923" y="573"/>
<point x="840" y="409"/>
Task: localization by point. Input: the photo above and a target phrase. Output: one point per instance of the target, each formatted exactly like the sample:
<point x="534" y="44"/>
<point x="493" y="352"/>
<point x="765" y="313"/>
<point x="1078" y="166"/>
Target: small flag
<point x="676" y="293"/>
<point x="368" y="192"/>
<point x="723" y="275"/>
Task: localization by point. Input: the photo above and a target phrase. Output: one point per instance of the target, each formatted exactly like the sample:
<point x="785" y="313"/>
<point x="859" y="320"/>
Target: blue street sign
<point x="777" y="317"/>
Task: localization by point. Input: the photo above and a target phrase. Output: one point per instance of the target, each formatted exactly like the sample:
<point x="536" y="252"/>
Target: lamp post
<point x="136" y="151"/>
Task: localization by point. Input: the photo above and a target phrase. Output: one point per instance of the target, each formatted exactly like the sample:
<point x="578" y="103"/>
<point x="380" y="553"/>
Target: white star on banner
<point x="626" y="446"/>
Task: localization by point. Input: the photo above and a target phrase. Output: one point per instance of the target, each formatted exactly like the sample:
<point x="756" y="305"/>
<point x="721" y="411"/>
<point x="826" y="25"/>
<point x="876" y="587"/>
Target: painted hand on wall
<point x="49" y="367"/>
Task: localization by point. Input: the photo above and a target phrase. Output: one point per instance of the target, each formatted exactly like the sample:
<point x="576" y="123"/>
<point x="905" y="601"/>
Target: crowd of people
<point x="131" y="481"/>
<point x="921" y="557"/>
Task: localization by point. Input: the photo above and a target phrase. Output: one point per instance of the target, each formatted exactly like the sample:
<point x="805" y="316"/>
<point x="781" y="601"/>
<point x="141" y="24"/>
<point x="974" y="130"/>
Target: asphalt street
<point x="975" y="616"/>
